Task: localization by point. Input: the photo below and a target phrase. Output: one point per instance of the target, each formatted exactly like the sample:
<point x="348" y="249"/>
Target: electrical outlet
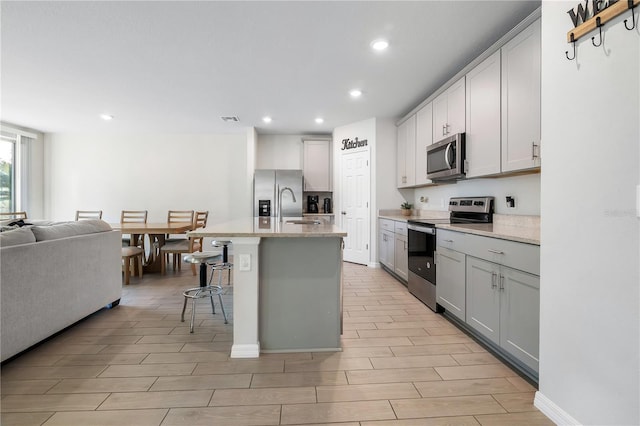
<point x="245" y="262"/>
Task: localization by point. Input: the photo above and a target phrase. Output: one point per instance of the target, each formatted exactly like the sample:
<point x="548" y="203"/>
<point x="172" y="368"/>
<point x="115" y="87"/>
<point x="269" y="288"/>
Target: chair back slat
<point x="88" y="214"/>
<point x="200" y="219"/>
<point x="133" y="216"/>
<point x="180" y="216"/>
<point x="13" y="215"/>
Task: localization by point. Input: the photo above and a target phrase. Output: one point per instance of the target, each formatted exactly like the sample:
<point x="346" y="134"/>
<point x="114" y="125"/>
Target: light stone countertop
<point x="521" y="234"/>
<point x="523" y="229"/>
<point x="267" y="227"/>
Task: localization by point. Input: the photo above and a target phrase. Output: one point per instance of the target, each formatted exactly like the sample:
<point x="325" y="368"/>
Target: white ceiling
<point x="176" y="66"/>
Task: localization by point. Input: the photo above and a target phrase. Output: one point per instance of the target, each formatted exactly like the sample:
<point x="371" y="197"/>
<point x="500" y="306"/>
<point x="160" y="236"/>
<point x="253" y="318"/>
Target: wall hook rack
<point x="630" y="5"/>
<point x="573" y="43"/>
<point x="602" y="16"/>
<point x="599" y="26"/>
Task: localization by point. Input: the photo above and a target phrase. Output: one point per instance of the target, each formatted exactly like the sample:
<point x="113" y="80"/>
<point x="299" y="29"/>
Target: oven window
<point x="441" y="159"/>
<point x="421" y="248"/>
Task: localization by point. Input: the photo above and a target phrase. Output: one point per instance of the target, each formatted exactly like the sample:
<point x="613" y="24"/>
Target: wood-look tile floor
<point x="137" y="364"/>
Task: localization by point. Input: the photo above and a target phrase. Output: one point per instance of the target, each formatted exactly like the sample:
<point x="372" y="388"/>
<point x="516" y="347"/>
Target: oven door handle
<point x="446" y="156"/>
<point x="423" y="229"/>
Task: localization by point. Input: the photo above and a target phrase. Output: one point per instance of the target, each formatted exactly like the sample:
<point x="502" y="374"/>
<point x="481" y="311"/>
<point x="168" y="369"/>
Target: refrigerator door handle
<point x="276" y="209"/>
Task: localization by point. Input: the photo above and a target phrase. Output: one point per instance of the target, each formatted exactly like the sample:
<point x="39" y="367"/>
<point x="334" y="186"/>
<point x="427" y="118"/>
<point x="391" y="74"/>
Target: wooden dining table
<point x="157" y="236"/>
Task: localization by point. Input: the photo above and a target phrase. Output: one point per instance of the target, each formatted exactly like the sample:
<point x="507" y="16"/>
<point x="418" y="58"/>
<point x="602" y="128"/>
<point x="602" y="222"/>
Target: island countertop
<point x="267" y="227"/>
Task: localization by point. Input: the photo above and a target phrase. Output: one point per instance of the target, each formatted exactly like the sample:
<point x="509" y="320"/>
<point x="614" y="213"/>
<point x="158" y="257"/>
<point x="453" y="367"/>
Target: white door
<point x="355" y="206"/>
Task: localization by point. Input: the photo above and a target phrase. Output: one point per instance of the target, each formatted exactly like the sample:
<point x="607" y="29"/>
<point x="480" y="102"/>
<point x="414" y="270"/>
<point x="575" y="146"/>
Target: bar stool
<point x="203" y="259"/>
<point x="225" y="265"/>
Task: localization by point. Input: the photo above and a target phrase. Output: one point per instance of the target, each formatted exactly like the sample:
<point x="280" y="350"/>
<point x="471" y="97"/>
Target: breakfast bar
<point x="287" y="291"/>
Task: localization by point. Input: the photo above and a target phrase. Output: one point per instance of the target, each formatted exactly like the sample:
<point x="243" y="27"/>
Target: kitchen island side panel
<point x="300" y="294"/>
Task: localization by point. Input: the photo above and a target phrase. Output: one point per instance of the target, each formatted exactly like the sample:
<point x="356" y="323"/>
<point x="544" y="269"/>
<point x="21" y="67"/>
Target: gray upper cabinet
<point x="406" y="150"/>
<point x="449" y="111"/>
<point x="521" y="100"/>
<point x="483" y="118"/>
<point x="424" y="138"/>
<point x="317" y="165"/>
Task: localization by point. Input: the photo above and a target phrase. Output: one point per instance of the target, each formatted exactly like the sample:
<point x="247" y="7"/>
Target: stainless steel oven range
<point x="422" y="243"/>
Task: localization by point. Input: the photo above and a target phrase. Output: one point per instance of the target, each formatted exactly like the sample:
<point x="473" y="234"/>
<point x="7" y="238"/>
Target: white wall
<point x="589" y="330"/>
<point x="147" y="172"/>
<point x="525" y="189"/>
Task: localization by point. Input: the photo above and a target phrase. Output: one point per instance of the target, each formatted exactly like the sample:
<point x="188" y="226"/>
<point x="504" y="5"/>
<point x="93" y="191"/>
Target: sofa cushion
<point x="69" y="229"/>
<point x="16" y="236"/>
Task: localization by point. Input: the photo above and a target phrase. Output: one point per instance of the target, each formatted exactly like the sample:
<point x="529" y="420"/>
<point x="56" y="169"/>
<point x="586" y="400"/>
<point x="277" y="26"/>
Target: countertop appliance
<point x="269" y="185"/>
<point x="326" y="208"/>
<point x="422" y="243"/>
<point x="312" y="204"/>
<point x="446" y="159"/>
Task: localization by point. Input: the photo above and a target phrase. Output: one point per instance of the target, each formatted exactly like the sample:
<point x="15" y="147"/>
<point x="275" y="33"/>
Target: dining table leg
<point x="154" y="262"/>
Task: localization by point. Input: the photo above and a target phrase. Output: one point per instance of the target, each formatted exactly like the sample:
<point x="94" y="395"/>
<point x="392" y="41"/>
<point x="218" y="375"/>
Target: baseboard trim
<point x="551" y="410"/>
<point x="245" y="351"/>
<point x="374" y="265"/>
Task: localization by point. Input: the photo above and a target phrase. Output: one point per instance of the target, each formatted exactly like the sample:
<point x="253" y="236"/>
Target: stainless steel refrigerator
<point x="267" y="183"/>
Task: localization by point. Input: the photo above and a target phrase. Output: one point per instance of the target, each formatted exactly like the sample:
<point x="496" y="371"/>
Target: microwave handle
<point x="446" y="156"/>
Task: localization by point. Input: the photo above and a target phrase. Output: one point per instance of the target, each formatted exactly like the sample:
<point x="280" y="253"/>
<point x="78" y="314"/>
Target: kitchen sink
<point x="304" y="222"/>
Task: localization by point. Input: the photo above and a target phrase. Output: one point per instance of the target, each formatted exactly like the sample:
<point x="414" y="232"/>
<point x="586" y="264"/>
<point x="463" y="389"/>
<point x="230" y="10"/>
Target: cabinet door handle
<point x="533" y="151"/>
<point x="447" y="241"/>
<point x="444" y="129"/>
<point x="501" y="282"/>
<point x="495" y="251"/>
<point x="493" y="280"/>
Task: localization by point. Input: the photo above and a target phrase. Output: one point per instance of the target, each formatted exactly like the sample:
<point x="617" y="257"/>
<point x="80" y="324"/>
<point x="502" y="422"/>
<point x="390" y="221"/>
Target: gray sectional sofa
<point x="53" y="275"/>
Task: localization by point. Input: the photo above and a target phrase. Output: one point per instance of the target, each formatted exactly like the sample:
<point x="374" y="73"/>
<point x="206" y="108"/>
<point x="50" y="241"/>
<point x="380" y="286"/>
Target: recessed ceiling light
<point x="319" y="120"/>
<point x="355" y="93"/>
<point x="266" y="119"/>
<point x="379" y="44"/>
<point x="106" y="117"/>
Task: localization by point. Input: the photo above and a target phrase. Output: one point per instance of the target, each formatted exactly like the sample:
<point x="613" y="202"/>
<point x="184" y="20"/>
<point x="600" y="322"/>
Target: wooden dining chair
<point x="134" y="216"/>
<point x="88" y="214"/>
<point x="179" y="247"/>
<point x="13" y="215"/>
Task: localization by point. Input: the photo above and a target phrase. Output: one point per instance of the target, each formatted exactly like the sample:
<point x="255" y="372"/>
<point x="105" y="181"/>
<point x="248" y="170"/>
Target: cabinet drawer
<point x="451" y="240"/>
<point x="387" y="225"/>
<point x="400" y="228"/>
<point x="521" y="256"/>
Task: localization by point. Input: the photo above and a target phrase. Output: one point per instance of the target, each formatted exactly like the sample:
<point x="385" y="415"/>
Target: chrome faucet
<point x="286" y="188"/>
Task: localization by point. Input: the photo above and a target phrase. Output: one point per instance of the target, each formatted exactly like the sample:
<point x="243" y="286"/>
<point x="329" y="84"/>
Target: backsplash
<point x="524" y="189"/>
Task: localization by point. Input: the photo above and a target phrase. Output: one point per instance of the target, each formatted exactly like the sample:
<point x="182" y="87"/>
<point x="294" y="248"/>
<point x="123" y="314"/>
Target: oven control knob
<point x="428" y="265"/>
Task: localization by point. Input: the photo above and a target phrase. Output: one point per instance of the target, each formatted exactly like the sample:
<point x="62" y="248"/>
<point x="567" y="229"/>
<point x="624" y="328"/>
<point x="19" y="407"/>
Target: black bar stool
<point x="225" y="264"/>
<point x="203" y="259"/>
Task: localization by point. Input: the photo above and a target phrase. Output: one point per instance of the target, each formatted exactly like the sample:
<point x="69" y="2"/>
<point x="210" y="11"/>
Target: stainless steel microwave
<point x="445" y="159"/>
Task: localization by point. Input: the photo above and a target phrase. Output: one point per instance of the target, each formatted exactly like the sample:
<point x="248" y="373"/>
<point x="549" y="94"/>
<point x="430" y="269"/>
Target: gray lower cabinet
<point x="502" y="304"/>
<point x="450" y="276"/>
<point x="386" y="248"/>
<point x="401" y="256"/>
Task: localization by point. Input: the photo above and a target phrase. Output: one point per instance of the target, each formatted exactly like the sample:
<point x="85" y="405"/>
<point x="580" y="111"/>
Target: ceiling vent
<point x="230" y="118"/>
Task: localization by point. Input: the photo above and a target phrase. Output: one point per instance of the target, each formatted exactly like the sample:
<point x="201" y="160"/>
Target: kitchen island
<point x="287" y="290"/>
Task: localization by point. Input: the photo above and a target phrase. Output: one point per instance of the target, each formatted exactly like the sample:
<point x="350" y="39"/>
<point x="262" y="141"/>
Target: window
<point x="14" y="147"/>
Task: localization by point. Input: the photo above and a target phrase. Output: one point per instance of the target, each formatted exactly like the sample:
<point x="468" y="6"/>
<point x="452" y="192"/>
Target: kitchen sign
<point x="353" y="143"/>
<point x="581" y="14"/>
<point x="593" y="14"/>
